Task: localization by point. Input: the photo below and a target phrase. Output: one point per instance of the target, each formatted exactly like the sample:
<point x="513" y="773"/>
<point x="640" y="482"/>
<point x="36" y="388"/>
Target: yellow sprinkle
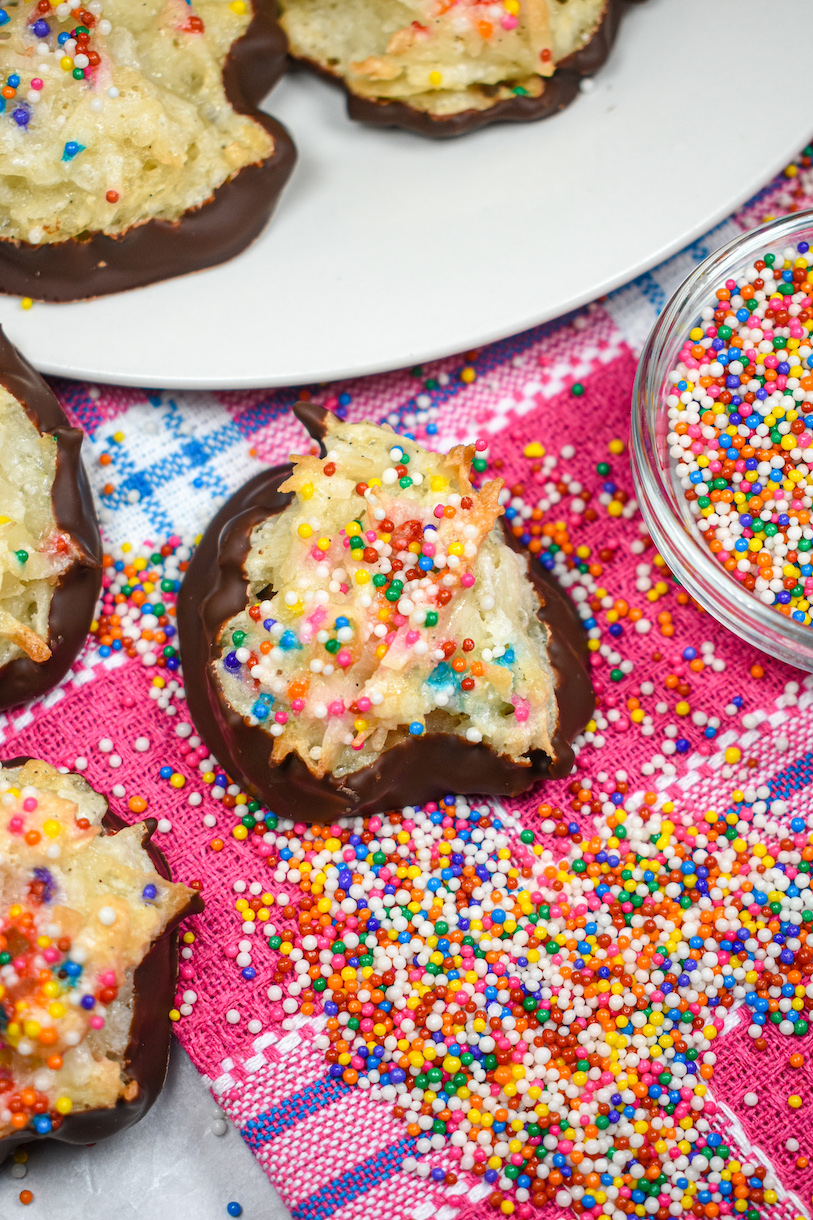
<point x="305" y="531"/>
<point x="21" y="1156"/>
<point x="468" y="374"/>
<point x="616" y="446"/>
<point x="306" y="491"/>
<point x="794" y="1101"/>
<point x="324" y="544"/>
<point x="437" y="483"/>
<point x="63" y="1105"/>
<point x="51" y="828"/>
<point x="682" y="708"/>
<point x="614" y="508"/>
<point x="733" y="755"/>
<point x="362" y="576"/>
<point x="241" y="832"/>
<point x="435" y="79"/>
<point x="174" y="1015"/>
<point x="26" y="303"/>
<point x="238" y="7"/>
<point x="534" y="449"/>
<point x="66" y="63"/>
<point x="189" y="938"/>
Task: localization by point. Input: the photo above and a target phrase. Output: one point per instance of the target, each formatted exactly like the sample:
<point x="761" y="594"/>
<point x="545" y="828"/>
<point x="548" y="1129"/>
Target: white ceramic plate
<point x="388" y="249"/>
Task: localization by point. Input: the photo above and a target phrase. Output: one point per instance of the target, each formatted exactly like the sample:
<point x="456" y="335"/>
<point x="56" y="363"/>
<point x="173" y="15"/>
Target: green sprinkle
<point x="577" y="389"/>
<point x="22" y="556"/>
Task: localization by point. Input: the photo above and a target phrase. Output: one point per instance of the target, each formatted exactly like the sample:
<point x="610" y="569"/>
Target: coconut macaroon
<point x="381" y="610"/>
<point x="50" y="551"/>
<point x="119" y="114"/>
<point x="81" y="905"/>
<point x="34" y="553"/>
<point x="443" y="60"/>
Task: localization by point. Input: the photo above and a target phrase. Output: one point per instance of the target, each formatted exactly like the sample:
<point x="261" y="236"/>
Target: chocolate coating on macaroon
<point x="147" y="1054"/>
<point x="73" y="601"/>
<point x="415" y="771"/>
<point x="560" y="90"/>
<point x="218" y="230"/>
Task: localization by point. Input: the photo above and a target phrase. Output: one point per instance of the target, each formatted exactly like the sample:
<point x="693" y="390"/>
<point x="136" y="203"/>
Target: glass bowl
<point x="667" y="515"/>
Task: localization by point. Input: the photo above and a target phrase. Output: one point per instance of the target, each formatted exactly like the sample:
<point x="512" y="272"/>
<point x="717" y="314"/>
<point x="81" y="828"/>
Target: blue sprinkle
<point x="234" y="1209"/>
<point x="416" y="728"/>
<point x="71" y="150"/>
<point x="14" y="80"/>
<point x="149" y="892"/>
<point x="21" y="116"/>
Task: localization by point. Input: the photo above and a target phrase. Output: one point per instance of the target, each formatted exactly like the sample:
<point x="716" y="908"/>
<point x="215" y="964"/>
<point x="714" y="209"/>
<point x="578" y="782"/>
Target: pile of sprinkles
<point x="740" y="409"/>
<point x="550" y="1022"/>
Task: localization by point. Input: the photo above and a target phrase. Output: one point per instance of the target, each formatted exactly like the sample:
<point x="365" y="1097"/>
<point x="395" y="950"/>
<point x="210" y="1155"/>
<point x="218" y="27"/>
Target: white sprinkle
<point x="105" y="745"/>
<point x="164" y="825"/>
<point x="107" y="916"/>
<point x="232" y="1016"/>
<point x="751" y="1099"/>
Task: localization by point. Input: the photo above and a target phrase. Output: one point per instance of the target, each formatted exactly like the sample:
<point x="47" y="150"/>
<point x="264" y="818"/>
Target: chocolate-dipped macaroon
<point x="358" y="633"/>
<point x="148" y="158"/>
<point x="87" y="901"/>
<point x="444" y="69"/>
<point x="51" y="572"/>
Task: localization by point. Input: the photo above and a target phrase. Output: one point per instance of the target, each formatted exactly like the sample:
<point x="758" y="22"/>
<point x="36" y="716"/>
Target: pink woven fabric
<point x="332" y="1152"/>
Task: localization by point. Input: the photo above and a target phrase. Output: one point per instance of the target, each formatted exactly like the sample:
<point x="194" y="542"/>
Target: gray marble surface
<point x="171" y="1166"/>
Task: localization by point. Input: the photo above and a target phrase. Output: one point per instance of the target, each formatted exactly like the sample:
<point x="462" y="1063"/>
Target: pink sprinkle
<point x="467" y="580"/>
<point x="96" y="1022"/>
<point x="429" y="549"/>
<point x="297" y="705"/>
<point x="15" y="825"/>
<point x="412" y="637"/>
<point x="281" y="717"/>
<point x="52" y="955"/>
<point x="36" y="83"/>
<point x="438" y="510"/>
<point x="363" y="704"/>
<point x="344" y="658"/>
<point x="508" y="22"/>
<point x="344" y="588"/>
<point x="30" y="804"/>
<point x="371" y="535"/>
<point x="336" y="708"/>
<point x="108" y="979"/>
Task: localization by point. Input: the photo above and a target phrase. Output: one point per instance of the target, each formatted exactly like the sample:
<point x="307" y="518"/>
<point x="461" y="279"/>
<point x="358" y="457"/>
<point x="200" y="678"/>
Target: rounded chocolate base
<point x="74" y="599"/>
<point x="147" y="1053"/>
<point x="219" y="229"/>
<point x="560" y="90"/>
<point x="416" y="771"/>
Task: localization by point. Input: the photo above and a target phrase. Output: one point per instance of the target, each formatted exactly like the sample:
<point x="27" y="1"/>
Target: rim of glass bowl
<point x="667" y="516"/>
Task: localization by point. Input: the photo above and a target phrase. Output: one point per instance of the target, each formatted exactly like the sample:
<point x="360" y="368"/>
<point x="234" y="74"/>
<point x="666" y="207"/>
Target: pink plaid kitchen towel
<point x="161" y="463"/>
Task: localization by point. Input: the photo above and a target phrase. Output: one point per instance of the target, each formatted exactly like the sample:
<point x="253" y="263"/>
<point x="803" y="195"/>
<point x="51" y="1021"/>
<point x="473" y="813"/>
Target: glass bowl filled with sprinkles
<point x="722" y="436"/>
